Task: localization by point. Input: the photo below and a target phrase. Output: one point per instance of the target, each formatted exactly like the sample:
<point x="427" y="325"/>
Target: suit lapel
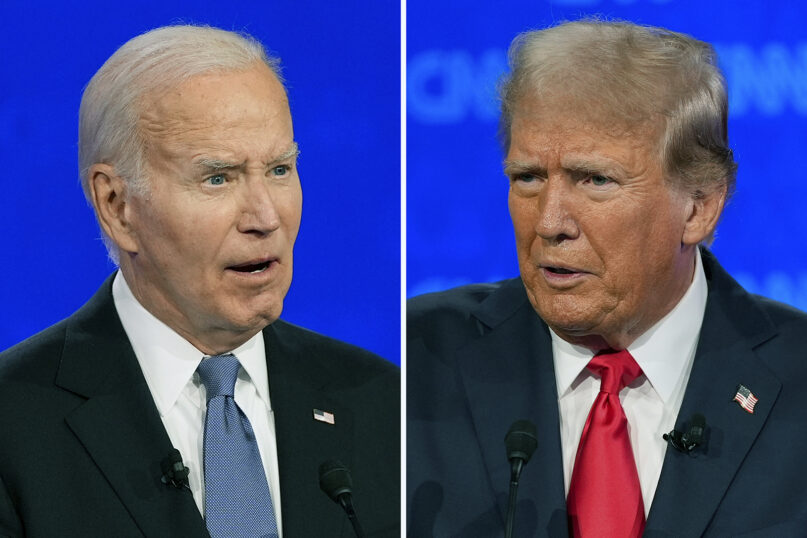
<point x="691" y="486"/>
<point x="508" y="374"/>
<point x="297" y="386"/>
<point x="118" y="424"/>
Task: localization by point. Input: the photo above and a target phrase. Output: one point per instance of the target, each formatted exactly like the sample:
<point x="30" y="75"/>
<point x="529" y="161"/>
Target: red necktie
<point x="605" y="499"/>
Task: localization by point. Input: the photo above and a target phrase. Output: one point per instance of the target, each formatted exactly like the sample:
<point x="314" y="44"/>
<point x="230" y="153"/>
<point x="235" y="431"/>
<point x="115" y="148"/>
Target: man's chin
<point x="570" y="320"/>
<point x="227" y="337"/>
<point x="561" y="310"/>
<point x="247" y="311"/>
<point x="235" y="328"/>
<point x="257" y="320"/>
<point x="579" y="335"/>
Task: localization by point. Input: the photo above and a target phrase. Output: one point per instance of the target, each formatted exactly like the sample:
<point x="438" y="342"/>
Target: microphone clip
<point x="680" y="441"/>
<point x="175" y="473"/>
<point x="686" y="442"/>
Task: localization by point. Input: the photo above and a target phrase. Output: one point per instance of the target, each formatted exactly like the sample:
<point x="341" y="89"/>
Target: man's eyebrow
<point x="512" y="166"/>
<point x="584" y="163"/>
<point x="571" y="163"/>
<point x="216" y="164"/>
<point x="293" y="151"/>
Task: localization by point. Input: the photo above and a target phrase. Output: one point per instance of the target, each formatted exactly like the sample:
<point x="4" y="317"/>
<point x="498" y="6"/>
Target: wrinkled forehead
<point x="216" y="95"/>
<point x="613" y="113"/>
<point x="557" y="115"/>
<point x="247" y="107"/>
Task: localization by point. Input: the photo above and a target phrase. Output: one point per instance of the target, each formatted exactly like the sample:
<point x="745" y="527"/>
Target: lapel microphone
<point x="521" y="441"/>
<point x="687" y="441"/>
<point x="335" y="481"/>
<point x="174" y="471"/>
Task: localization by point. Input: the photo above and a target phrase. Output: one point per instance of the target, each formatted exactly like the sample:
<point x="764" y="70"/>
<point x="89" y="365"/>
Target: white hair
<point x="154" y="61"/>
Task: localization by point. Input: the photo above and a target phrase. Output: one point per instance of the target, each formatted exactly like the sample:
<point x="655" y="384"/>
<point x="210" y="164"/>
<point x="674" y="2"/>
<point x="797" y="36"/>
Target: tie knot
<point x="617" y="370"/>
<point x="218" y="375"/>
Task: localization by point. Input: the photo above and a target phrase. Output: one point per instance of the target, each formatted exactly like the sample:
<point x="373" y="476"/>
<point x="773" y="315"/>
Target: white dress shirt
<point x="665" y="353"/>
<point x="169" y="365"/>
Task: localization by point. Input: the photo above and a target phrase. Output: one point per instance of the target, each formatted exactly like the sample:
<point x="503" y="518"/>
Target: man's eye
<point x="218" y="179"/>
<point x="281" y="170"/>
<point x="524" y="178"/>
<point x="599" y="181"/>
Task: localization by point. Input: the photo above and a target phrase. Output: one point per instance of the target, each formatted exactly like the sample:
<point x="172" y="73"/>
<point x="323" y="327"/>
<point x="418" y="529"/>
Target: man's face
<point x="214" y="236"/>
<point x="598" y="231"/>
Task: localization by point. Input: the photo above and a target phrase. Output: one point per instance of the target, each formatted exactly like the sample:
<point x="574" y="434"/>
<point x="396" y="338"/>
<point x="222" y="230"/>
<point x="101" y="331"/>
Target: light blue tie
<point x="237" y="498"/>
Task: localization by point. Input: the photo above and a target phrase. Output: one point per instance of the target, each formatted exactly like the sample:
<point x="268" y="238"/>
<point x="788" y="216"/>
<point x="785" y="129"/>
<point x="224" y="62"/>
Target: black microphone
<point x="174" y="471"/>
<point x="520" y="442"/>
<point x="334" y="479"/>
<point x="687" y="441"/>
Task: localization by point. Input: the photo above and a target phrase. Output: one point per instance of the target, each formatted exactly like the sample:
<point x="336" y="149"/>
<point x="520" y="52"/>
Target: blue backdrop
<point x="458" y="226"/>
<point x="341" y="63"/>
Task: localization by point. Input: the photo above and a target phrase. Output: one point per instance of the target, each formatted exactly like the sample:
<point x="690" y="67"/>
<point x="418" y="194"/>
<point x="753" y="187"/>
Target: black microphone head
<point x="521" y="441"/>
<point x="696" y="428"/>
<point x="174" y="471"/>
<point x="334" y="479"/>
<point x="174" y="456"/>
<point x="167" y="464"/>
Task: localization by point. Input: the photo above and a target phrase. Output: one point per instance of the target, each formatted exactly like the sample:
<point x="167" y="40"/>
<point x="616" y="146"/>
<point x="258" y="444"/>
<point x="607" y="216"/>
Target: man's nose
<point x="259" y="214"/>
<point x="556" y="222"/>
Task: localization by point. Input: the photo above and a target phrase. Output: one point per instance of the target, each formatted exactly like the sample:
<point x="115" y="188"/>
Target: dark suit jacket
<point x="81" y="440"/>
<point x="479" y="358"/>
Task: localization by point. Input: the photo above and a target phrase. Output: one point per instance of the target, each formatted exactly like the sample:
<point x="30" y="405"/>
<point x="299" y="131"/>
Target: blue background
<point x="342" y="68"/>
<point x="458" y="226"/>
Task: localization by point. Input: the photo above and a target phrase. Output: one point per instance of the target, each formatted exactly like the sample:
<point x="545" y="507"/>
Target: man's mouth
<point x="252" y="267"/>
<point x="561" y="275"/>
<point x="560" y="270"/>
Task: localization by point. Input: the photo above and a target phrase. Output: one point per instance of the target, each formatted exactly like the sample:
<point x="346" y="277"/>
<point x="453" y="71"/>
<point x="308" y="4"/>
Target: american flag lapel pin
<point x="745" y="398"/>
<point x="324" y="416"/>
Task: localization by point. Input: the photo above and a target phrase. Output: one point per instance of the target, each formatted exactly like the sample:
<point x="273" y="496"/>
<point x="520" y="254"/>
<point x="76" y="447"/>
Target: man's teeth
<point x="256" y="268"/>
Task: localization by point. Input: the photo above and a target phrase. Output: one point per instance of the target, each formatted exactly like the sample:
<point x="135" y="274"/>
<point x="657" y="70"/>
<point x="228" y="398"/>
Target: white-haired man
<point x="187" y="154"/>
<point x="621" y="328"/>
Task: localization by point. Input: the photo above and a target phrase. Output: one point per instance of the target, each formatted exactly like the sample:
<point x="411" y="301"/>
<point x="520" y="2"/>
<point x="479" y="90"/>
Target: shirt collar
<point x="664" y="351"/>
<point x="252" y="356"/>
<point x="169" y="361"/>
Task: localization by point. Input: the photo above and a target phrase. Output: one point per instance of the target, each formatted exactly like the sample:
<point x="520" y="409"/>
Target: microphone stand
<point x="517" y="464"/>
<point x="347" y="504"/>
<point x="521" y="441"/>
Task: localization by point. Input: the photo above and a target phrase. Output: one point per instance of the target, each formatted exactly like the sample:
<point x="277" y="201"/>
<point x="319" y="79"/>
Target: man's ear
<point x="704" y="209"/>
<point x="108" y="195"/>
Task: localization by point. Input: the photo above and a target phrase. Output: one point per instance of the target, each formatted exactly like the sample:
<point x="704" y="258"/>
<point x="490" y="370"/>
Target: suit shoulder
<point x="457" y="303"/>
<point x="35" y="356"/>
<point x="787" y="349"/>
<point x="782" y="315"/>
<point x="340" y="355"/>
<point x="440" y="323"/>
<point x="464" y="307"/>
<point x="40" y="354"/>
